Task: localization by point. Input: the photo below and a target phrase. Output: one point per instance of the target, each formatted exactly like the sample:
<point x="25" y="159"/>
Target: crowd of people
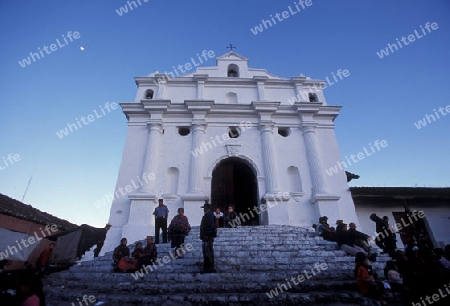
<point x="350" y="240"/>
<point x="176" y="232"/>
<point x="231" y="219"/>
<point x="419" y="272"/>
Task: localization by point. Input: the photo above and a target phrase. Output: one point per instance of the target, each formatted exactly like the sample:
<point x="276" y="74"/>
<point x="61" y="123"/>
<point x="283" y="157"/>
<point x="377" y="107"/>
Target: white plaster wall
<point x="368" y="226"/>
<point x="130" y="169"/>
<point x="245" y="93"/>
<point x="174" y="152"/>
<point x="337" y="182"/>
<point x="177" y="93"/>
<point x="283" y="94"/>
<point x="291" y="151"/>
<point x="438" y="219"/>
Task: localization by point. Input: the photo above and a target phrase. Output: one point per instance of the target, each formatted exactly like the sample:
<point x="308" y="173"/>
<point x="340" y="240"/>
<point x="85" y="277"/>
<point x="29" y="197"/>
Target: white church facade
<point x="235" y="136"/>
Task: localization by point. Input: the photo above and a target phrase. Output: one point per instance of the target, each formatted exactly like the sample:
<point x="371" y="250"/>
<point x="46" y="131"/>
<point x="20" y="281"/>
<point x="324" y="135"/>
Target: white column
<point x="268" y="152"/>
<point x="196" y="166"/>
<point x="317" y="173"/>
<point x="151" y="156"/>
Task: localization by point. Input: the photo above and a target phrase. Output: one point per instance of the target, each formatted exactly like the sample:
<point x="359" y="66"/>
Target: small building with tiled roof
<point x="18" y="217"/>
<point x="399" y="204"/>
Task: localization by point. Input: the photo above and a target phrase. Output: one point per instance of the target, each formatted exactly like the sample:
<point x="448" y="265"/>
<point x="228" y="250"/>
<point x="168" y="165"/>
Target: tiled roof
<point x="417" y="192"/>
<point x="26" y="212"/>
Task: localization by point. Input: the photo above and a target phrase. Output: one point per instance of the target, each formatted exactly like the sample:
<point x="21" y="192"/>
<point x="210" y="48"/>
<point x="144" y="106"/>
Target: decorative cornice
<point x="156" y="105"/>
<point x="142" y="197"/>
<point x="324" y="197"/>
<point x="200" y="77"/>
<point x="260" y="78"/>
<point x="265" y="106"/>
<point x="199" y="105"/>
<point x="298" y="80"/>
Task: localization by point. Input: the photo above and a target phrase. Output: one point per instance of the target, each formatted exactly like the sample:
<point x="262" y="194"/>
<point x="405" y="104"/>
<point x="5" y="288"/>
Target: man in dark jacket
<point x="149" y="254"/>
<point x="345" y="241"/>
<point x="385" y="237"/>
<point x="360" y="239"/>
<point x="208" y="232"/>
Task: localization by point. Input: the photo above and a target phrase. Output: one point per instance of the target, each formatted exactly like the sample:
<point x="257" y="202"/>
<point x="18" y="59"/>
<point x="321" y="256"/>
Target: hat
<point x="325" y="217"/>
<point x="160" y="200"/>
<point x="108" y="225"/>
<point x="206" y="205"/>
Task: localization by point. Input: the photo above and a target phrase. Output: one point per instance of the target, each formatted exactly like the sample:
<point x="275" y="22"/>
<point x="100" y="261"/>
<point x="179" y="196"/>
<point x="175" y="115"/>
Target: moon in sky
<point x="82" y="48"/>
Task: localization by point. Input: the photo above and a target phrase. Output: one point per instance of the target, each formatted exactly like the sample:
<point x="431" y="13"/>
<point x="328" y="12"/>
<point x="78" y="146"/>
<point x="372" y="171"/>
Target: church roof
<point x="232" y="56"/>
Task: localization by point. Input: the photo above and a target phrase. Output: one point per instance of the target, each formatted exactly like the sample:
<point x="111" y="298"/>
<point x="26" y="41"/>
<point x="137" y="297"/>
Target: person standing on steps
<point x="161" y="214"/>
<point x="208" y="232"/>
<point x="179" y="228"/>
<point x="392" y="239"/>
<point x="101" y="239"/>
<point x="380" y="227"/>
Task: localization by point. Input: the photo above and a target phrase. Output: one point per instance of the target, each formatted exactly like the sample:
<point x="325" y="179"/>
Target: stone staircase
<point x="259" y="265"/>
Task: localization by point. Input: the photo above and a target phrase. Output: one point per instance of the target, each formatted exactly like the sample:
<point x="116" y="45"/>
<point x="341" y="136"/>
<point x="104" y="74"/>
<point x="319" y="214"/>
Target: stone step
<point x="195" y="280"/>
<point x="259" y="261"/>
<point x="313" y="297"/>
<point x="240" y="264"/>
<point x="251" y="261"/>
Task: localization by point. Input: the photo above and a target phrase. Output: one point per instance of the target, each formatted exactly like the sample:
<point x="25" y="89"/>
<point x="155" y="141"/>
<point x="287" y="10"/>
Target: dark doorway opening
<point x="234" y="184"/>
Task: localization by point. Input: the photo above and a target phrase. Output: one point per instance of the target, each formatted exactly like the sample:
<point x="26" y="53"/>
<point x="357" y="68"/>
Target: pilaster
<point x="201" y="79"/>
<point x="260" y="80"/>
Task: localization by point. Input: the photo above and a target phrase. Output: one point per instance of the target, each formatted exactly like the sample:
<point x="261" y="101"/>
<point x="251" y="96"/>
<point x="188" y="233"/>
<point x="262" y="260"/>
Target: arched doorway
<point x="234" y="184"/>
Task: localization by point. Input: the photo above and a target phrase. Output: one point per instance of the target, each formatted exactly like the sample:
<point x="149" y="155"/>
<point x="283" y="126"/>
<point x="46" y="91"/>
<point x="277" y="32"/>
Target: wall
<point x="29" y="228"/>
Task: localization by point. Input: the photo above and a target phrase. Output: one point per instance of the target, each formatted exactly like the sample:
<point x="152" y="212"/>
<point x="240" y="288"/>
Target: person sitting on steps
<point x="232" y="218"/>
<point x="324" y="230"/>
<point x="367" y="284"/>
<point x="149" y="255"/>
<point x="346" y="242"/>
<point x="120" y="252"/>
<point x="360" y="239"/>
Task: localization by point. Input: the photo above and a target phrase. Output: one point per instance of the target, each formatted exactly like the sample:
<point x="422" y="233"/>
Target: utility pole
<point x="26" y="189"/>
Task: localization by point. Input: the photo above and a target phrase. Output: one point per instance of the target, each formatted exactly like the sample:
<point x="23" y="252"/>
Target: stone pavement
<point x="259" y="265"/>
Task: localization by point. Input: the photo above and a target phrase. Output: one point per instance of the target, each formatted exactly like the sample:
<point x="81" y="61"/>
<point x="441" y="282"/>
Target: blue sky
<point x="382" y="98"/>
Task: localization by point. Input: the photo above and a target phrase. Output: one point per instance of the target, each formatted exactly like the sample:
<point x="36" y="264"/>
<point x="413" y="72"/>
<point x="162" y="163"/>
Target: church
<point x="235" y="136"/>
